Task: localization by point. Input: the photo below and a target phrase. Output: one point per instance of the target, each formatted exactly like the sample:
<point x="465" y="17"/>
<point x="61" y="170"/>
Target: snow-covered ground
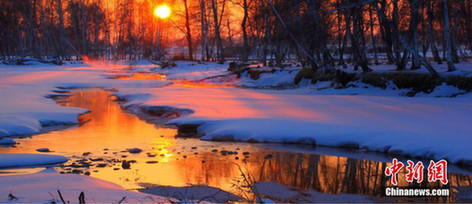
<point x="360" y="116"/>
<point x="413" y="126"/>
<point x="43" y="187"/>
<point x="365" y="117"/>
<point x="24" y="108"/>
<point x="20" y="160"/>
<point x="280" y="193"/>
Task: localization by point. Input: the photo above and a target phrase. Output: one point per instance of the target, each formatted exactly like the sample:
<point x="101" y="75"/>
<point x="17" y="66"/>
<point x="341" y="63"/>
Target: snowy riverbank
<point x="358" y="117"/>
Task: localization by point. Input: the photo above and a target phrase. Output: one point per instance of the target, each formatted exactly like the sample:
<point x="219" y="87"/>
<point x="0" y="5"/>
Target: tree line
<point x="321" y="34"/>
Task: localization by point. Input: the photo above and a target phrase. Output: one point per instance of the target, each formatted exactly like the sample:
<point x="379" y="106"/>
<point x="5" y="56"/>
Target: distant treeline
<point x="319" y="33"/>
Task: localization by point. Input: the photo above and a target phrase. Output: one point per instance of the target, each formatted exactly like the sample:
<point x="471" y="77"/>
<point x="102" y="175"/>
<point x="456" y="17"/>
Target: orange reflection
<point x="107" y="131"/>
<point x="141" y="76"/>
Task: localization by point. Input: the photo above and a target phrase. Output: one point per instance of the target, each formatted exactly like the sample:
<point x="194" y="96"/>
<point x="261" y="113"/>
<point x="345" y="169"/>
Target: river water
<point x="98" y="146"/>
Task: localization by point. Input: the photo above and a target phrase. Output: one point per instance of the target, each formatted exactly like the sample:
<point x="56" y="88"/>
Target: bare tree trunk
<point x="61" y="28"/>
<point x="374" y="46"/>
<point x="204" y="29"/>
<point x="217" y="24"/>
<point x="189" y="32"/>
<point x="423" y="61"/>
<point x="447" y="38"/>
<point x="243" y="28"/>
<point x="414" y="21"/>
<point x="314" y="62"/>
<point x="432" y="42"/>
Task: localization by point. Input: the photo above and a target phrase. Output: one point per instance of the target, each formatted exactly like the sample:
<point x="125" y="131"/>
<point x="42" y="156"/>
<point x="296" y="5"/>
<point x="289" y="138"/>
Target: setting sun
<point x="162" y="11"/>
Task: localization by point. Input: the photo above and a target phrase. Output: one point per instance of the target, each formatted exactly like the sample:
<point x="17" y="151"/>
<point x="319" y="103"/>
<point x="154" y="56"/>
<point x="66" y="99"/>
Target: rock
<point x="43" y="149"/>
<point x="125" y="164"/>
<point x="76" y="171"/>
<point x="245" y="153"/>
<point x="87" y="173"/>
<point x="152" y="162"/>
<point x="86" y="153"/>
<point x="135" y="150"/>
<point x="7" y="141"/>
<point x="101" y="165"/>
<point x="214" y="150"/>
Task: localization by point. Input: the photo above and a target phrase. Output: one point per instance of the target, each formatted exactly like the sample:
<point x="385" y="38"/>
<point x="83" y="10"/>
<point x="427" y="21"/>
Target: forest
<point x="319" y="34"/>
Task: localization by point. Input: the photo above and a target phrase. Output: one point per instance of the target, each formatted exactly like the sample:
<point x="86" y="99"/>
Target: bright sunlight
<point x="162" y="11"/>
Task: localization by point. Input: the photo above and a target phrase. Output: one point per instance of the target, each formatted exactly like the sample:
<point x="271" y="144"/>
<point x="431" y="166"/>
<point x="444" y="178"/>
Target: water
<point x="97" y="146"/>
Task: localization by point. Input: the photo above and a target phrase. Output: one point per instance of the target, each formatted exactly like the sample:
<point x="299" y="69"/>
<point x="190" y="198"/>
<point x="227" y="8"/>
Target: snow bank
<point x="193" y="70"/>
<point x="283" y="193"/>
<point x="409" y="126"/>
<point x="19" y="160"/>
<point x="24" y="108"/>
<point x="276" y="79"/>
<point x="36" y="188"/>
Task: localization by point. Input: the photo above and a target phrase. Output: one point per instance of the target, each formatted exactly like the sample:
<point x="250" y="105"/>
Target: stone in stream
<point x="152" y="162"/>
<point x="214" y="150"/>
<point x="76" y="171"/>
<point x="86" y="153"/>
<point x="101" y="165"/>
<point x="245" y="153"/>
<point x="135" y="150"/>
<point x="126" y="164"/>
<point x="43" y="149"/>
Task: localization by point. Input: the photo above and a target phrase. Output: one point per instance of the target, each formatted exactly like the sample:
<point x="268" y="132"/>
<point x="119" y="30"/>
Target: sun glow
<point x="162" y="11"/>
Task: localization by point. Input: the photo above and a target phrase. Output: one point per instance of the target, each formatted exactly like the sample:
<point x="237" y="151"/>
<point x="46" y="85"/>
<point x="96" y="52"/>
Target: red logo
<point x="437" y="171"/>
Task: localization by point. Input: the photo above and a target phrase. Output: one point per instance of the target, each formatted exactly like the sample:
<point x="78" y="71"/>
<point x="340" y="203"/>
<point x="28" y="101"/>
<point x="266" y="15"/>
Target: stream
<point x="99" y="145"/>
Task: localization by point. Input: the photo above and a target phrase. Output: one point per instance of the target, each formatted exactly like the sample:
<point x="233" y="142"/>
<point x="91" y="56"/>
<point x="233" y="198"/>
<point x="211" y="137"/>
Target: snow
<point x="402" y="125"/>
<point x="443" y="90"/>
<point x="19" y="160"/>
<point x="7" y="141"/>
<point x="39" y="187"/>
<point x="193" y="70"/>
<point x="359" y="116"/>
<point x="24" y="108"/>
<point x="280" y="78"/>
<point x="189" y="193"/>
<point x="276" y="191"/>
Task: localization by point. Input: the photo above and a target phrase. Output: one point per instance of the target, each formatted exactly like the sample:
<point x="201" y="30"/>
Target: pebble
<point x="126" y="164"/>
<point x="43" y="149"/>
<point x="135" y="150"/>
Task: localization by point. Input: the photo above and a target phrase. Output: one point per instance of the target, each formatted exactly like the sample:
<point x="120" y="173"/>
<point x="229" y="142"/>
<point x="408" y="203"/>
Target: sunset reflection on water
<point x="107" y="131"/>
